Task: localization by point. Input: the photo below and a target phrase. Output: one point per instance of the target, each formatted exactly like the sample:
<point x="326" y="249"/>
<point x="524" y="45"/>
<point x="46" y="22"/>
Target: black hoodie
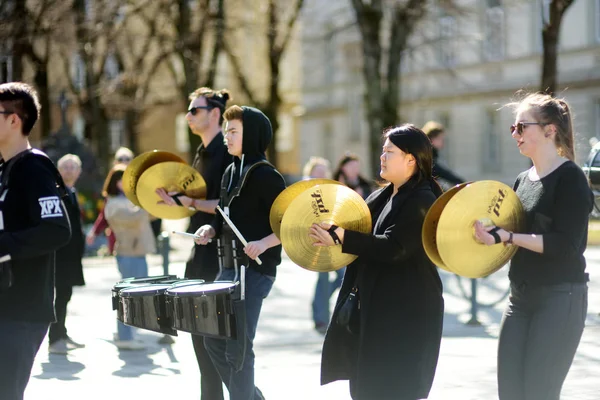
<point x="249" y="207"/>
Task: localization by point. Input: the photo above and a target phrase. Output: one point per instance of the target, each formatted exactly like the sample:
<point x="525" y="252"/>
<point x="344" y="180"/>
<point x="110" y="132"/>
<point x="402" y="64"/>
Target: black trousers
<point x="19" y="343"/>
<point x="58" y="330"/>
<point x="541" y="329"/>
<point x="211" y="386"/>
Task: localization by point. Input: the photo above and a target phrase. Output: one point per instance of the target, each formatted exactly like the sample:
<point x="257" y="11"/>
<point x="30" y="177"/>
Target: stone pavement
<point x="287" y="347"/>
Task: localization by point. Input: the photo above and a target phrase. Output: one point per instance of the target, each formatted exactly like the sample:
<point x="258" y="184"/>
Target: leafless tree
<point x="278" y="34"/>
<point x="28" y="30"/>
<point x="552" y="16"/>
<point x="197" y="29"/>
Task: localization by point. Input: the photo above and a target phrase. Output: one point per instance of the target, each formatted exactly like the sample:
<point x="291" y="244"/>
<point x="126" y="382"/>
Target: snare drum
<point x="133" y="282"/>
<point x="144" y="307"/>
<point x="205" y="309"/>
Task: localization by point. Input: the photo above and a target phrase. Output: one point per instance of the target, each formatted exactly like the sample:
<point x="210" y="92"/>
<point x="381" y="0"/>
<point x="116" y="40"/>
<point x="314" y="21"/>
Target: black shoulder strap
<point x="5" y="181"/>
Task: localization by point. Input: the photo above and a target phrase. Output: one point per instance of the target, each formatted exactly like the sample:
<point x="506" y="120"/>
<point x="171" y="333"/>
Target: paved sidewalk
<point x="287" y="347"/>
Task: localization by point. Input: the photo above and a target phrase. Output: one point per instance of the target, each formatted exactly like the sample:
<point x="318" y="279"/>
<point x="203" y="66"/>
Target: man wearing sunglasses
<point x="205" y="118"/>
<point x="33" y="225"/>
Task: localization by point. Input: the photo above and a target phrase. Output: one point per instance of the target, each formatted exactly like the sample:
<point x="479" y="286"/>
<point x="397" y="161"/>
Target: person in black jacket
<point x="69" y="269"/>
<point x="33" y="225"/>
<point x="248" y="189"/>
<point x="436" y="133"/>
<point x="547" y="308"/>
<point x="205" y="118"/>
<point x="391" y="351"/>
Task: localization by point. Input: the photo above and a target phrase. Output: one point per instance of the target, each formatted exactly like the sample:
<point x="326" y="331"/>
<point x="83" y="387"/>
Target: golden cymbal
<point x="430" y="225"/>
<point x="333" y="203"/>
<point x="138" y="165"/>
<point x="284" y="199"/>
<point x="490" y="202"/>
<point x="173" y="176"/>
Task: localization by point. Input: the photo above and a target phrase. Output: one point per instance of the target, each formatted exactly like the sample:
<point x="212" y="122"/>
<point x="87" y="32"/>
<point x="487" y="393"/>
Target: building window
<point x="6" y="69"/>
<point x="597" y="20"/>
<point x="448" y="31"/>
<point x="116" y="129"/>
<point x="493" y="47"/>
<point x="78" y="72"/>
<point x="111" y="67"/>
<point x="491" y="143"/>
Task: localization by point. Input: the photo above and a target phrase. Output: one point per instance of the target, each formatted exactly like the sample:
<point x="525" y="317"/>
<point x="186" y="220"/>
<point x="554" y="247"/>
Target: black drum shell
<point x="204" y="312"/>
<point x="144" y="307"/>
<point x="131" y="282"/>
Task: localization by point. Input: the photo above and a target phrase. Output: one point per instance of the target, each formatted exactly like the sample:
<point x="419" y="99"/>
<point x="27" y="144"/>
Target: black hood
<point x="257" y="133"/>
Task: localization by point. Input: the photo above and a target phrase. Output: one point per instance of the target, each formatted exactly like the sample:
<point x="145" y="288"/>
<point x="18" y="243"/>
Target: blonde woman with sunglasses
<point x="544" y="320"/>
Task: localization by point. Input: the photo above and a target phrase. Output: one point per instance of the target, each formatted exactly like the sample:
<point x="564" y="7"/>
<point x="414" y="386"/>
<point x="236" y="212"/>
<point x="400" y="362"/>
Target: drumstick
<point x="237" y="233"/>
<point x="191" y="235"/>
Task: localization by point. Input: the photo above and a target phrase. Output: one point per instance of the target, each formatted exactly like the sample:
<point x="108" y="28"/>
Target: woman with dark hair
<point x="348" y="173"/>
<point x="134" y="239"/>
<point x="392" y="352"/>
<point x="547" y="308"/>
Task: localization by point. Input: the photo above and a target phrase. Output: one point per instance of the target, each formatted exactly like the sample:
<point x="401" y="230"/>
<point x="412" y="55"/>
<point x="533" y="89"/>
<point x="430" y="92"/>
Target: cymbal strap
<point x="334" y="236"/>
<point x="494" y="233"/>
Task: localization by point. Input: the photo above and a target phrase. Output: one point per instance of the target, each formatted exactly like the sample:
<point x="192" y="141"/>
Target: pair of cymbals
<point x="161" y="169"/>
<point x="448" y="230"/>
<point x="305" y="203"/>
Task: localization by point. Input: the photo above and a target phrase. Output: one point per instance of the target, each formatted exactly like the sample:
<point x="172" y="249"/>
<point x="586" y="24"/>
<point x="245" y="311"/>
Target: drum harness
<point x="230" y="254"/>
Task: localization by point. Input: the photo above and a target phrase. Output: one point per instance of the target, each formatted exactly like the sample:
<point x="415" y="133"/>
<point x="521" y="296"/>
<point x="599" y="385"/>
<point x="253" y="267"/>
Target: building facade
<point x="460" y="69"/>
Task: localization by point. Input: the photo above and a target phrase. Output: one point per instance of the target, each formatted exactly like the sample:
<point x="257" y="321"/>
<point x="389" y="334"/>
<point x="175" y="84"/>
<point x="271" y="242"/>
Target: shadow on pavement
<point x="138" y="362"/>
<point x="60" y="367"/>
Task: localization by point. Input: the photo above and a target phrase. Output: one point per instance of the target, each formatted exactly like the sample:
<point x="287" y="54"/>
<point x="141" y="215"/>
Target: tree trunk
<point x="132" y="120"/>
<point x="41" y="84"/>
<point x="550" y="59"/>
<point x="550" y="38"/>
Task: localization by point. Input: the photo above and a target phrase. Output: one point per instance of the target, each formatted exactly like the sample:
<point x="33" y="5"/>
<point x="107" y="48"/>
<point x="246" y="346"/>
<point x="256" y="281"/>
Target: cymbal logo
<point x="318" y="206"/>
<point x="497" y="202"/>
<point x="188" y="181"/>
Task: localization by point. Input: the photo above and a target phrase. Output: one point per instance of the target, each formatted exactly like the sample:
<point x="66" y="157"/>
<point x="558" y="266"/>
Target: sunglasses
<point x="519" y="127"/>
<point x="6" y="112"/>
<point x="124" y="159"/>
<point x="193" y="109"/>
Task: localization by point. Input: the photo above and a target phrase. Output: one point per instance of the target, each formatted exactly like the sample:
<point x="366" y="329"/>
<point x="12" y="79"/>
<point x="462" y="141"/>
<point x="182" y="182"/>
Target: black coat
<point x="401" y="305"/>
<point x="69" y="270"/>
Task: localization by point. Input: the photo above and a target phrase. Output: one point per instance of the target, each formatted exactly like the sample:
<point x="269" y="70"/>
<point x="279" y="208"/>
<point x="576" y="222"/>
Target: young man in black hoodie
<point x="33" y="225"/>
<point x="248" y="189"/>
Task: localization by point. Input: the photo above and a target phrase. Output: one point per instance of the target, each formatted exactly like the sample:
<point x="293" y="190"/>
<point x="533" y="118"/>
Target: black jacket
<point x="34" y="225"/>
<point x="401" y="305"/>
<point x="249" y="195"/>
<point x="211" y="162"/>
<point x="69" y="270"/>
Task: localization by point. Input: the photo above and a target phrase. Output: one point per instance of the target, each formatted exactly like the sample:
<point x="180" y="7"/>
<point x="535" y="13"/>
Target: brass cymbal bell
<point x="138" y="165"/>
<point x="334" y="203"/>
<point x="491" y="202"/>
<point x="430" y="224"/>
<point x="173" y="176"/>
<point x="284" y="199"/>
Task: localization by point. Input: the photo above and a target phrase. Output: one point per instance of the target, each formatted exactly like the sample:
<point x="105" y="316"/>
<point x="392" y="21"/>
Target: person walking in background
<point x="34" y="226"/>
<point x="348" y="173"/>
<point x="205" y="118"/>
<point x="69" y="269"/>
<point x="436" y="134"/>
<point x="318" y="167"/>
<point x="123" y="156"/>
<point x="545" y="316"/>
<point x="134" y="240"/>
<point x="388" y="349"/>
